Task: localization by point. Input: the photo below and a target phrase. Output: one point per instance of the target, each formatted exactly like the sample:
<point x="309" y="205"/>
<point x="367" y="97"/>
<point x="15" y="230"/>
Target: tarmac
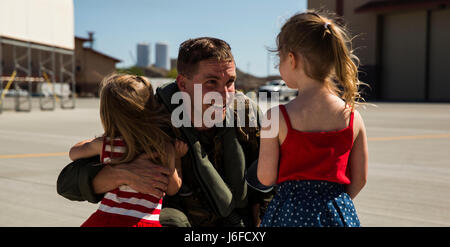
<point x="408" y="182"/>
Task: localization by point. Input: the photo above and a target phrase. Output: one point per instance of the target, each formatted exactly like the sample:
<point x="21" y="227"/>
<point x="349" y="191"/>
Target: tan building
<point x="91" y="67"/>
<point x="403" y="46"/>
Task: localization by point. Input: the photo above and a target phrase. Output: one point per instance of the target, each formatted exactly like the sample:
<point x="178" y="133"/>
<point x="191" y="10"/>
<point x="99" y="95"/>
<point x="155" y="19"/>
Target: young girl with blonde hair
<point x="319" y="158"/>
<point x="134" y="123"/>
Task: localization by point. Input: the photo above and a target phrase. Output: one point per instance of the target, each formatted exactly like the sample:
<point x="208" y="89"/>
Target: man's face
<point x="213" y="76"/>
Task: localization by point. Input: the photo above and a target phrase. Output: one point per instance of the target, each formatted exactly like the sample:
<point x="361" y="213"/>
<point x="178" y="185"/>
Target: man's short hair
<point x="192" y="51"/>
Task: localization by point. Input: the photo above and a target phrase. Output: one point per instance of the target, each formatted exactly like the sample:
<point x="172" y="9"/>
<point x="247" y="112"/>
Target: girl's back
<point x="123" y="206"/>
<point x="316" y="140"/>
<point x="310" y="115"/>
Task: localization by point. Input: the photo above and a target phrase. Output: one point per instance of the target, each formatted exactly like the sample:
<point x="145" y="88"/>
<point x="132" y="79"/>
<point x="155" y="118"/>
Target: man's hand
<point x="256" y="214"/>
<point x="140" y="174"/>
<point x="146" y="177"/>
<point x="181" y="149"/>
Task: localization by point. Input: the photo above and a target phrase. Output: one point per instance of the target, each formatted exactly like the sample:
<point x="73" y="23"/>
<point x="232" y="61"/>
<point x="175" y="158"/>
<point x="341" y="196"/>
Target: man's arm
<point x="259" y="195"/>
<point x="75" y="180"/>
<point x="88" y="179"/>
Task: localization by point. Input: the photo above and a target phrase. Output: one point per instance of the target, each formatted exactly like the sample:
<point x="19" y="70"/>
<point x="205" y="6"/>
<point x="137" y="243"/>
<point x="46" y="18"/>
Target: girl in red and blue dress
<point x="319" y="158"/>
<point x="134" y="123"/>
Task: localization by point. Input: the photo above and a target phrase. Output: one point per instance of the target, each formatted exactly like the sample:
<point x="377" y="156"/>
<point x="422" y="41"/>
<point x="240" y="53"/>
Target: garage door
<point x="403" y="56"/>
<point x="440" y="56"/>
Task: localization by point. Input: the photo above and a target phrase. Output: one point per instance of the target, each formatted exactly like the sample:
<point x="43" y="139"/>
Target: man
<point x="214" y="191"/>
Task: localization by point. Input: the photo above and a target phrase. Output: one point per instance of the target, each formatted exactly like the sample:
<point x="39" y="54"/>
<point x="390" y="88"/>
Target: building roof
<point x="20" y="42"/>
<point x="398" y="5"/>
<point x="101" y="54"/>
<point x="82" y="39"/>
<point x="97" y="52"/>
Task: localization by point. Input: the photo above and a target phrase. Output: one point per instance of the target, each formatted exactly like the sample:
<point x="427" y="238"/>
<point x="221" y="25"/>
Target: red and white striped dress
<point x="124" y="207"/>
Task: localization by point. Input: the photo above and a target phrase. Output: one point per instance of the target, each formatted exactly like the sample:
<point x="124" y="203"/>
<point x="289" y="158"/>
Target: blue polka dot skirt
<point x="309" y="203"/>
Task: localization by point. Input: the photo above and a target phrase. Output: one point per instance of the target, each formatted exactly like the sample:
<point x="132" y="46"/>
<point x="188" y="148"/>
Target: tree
<point x="133" y="70"/>
<point x="173" y="73"/>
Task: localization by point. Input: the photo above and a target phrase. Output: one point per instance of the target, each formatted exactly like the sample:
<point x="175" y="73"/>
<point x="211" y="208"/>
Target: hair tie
<point x="327" y="24"/>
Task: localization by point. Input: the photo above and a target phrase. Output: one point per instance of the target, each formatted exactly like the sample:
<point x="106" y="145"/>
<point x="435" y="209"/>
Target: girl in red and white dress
<point x="134" y="123"/>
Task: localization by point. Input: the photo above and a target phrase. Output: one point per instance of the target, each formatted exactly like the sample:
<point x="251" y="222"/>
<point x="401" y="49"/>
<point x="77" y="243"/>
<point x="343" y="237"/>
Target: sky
<point x="249" y="26"/>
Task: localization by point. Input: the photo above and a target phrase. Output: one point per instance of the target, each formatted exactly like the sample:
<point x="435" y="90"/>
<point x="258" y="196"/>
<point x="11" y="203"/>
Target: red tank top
<point x="315" y="155"/>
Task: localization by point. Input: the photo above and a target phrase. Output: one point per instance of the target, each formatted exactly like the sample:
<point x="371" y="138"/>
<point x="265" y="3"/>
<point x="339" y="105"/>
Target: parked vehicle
<point x="14" y="92"/>
<point x="278" y="86"/>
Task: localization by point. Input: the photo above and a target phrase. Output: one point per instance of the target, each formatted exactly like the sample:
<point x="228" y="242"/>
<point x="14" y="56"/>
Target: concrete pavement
<point x="409" y="167"/>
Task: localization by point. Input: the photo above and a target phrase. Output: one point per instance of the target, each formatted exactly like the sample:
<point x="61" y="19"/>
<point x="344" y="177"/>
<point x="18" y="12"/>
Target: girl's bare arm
<point x="359" y="159"/>
<point x="269" y="149"/>
<point x="86" y="148"/>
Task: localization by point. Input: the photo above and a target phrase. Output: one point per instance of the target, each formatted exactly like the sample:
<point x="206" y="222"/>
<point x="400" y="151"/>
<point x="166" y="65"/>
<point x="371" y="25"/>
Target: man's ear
<point x="181" y="82"/>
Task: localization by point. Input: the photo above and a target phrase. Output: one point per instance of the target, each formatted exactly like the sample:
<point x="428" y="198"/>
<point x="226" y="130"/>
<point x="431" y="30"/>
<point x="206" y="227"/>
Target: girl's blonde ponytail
<point x="345" y="65"/>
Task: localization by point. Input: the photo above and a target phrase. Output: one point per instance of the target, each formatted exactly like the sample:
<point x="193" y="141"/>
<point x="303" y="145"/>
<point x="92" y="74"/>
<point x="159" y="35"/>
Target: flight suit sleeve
<point x="258" y="193"/>
<point x="75" y="180"/>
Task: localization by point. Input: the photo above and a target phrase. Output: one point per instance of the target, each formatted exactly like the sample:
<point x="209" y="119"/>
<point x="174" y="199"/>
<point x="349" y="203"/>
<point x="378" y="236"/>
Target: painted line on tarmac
<point x="419" y="137"/>
<point x="18" y="156"/>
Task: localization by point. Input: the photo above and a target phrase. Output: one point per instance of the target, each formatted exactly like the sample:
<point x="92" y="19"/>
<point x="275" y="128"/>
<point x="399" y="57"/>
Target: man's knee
<point x="173" y="217"/>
